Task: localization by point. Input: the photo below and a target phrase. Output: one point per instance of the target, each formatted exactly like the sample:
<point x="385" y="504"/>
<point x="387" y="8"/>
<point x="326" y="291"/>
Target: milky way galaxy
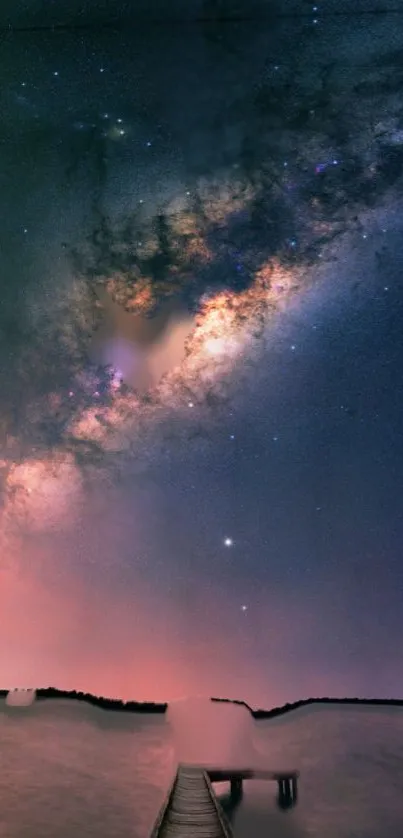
<point x="192" y="448"/>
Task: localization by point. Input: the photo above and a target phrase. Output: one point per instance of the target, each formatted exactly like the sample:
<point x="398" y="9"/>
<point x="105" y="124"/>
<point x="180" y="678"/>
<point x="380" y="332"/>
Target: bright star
<point x="228" y="542"/>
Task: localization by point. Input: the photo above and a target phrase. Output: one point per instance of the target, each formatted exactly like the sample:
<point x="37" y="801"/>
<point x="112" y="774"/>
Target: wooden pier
<point x="287" y="781"/>
<point x="191" y="809"/>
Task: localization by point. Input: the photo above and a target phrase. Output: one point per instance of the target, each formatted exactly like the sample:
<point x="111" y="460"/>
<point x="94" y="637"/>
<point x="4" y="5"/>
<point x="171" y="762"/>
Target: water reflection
<point x="71" y="765"/>
<point x="230" y="803"/>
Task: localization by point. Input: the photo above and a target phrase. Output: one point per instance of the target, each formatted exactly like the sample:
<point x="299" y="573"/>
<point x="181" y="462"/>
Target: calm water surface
<point x="69" y="769"/>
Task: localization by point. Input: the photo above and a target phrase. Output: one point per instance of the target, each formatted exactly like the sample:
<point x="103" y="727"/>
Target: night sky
<point x="236" y="528"/>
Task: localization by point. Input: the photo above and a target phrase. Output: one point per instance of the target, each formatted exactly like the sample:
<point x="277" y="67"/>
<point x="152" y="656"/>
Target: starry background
<point x="237" y="530"/>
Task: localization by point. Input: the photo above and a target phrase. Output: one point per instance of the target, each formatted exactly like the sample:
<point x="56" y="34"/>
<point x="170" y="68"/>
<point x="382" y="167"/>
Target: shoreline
<point x="118" y="705"/>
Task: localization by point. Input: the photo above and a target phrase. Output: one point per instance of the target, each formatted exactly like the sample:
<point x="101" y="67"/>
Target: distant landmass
<point x="286" y="708"/>
<point x="97" y="701"/>
<point x="154" y="707"/>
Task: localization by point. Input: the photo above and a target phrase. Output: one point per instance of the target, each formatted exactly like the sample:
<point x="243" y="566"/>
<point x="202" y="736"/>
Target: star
<point x="228" y="542"/>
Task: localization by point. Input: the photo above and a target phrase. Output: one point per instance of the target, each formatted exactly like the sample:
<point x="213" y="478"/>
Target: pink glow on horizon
<point x="71" y="635"/>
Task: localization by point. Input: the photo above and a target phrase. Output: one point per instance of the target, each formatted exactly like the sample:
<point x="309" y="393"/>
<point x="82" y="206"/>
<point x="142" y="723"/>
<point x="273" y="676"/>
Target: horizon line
<point x="162" y="706"/>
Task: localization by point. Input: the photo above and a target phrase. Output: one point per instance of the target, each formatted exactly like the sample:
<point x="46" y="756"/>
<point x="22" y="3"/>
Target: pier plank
<point x="191" y="809"/>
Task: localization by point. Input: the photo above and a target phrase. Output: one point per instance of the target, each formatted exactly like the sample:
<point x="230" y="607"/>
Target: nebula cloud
<point x="101" y="418"/>
<point x="43" y="495"/>
<point x="141" y="350"/>
<point x="159" y="317"/>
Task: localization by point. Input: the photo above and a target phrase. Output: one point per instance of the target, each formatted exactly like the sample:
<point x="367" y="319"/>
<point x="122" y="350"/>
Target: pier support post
<point x="236" y="788"/>
<point x="287" y="792"/>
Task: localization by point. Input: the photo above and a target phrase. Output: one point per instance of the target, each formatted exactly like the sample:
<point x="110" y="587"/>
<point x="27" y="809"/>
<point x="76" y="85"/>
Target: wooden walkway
<point x="191" y="809"/>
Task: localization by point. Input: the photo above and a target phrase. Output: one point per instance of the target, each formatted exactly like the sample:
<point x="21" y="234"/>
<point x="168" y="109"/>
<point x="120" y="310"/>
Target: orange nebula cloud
<point x="46" y="493"/>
